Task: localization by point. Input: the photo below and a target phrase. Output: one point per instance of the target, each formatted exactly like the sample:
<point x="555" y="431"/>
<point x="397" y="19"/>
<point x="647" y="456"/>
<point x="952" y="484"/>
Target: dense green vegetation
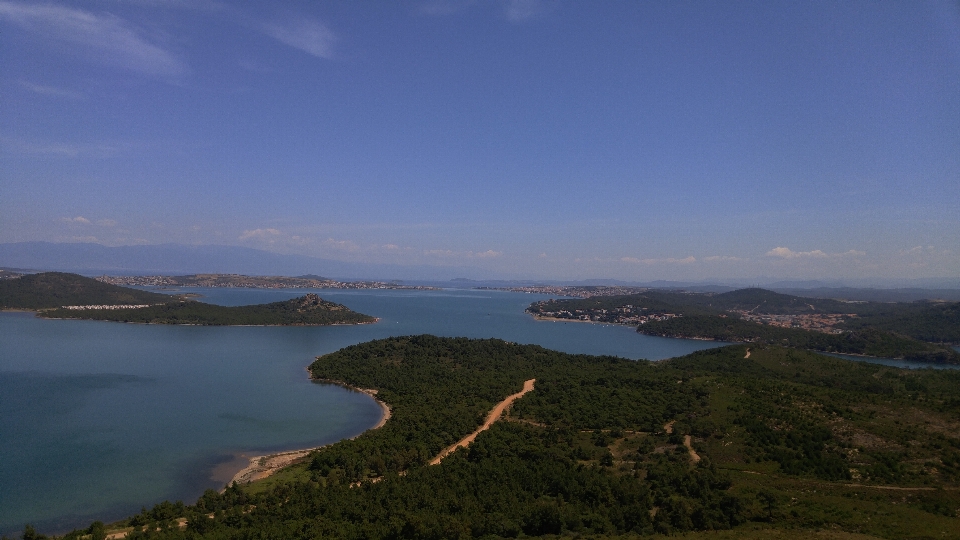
<point x="55" y="289"/>
<point x="305" y="310"/>
<point x="937" y="322"/>
<point x="788" y="440"/>
<point x="49" y="292"/>
<point x="894" y="330"/>
<point x="866" y="341"/>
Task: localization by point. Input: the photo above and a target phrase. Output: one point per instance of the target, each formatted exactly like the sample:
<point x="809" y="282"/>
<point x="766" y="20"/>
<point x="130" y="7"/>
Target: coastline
<point x="375" y="321"/>
<point x="557" y="319"/>
<point x="260" y="467"/>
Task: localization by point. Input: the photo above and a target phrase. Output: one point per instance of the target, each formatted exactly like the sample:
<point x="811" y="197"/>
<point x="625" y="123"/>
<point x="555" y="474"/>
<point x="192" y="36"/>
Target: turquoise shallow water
<point x="98" y="419"/>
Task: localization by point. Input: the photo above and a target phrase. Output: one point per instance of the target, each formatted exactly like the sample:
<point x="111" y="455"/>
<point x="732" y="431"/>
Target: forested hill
<point x="308" y="310"/>
<point x="758" y="314"/>
<point x="865" y="341"/>
<point x="780" y="440"/>
<point x="764" y="301"/>
<point x="54" y="289"/>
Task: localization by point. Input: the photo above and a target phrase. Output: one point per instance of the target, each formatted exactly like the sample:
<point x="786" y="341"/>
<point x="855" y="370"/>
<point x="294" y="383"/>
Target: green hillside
<point x="863" y="341"/>
<point x="937" y="322"/>
<point x="787" y="443"/>
<point x="309" y="310"/>
<point x="55" y="289"/>
<point x="895" y="330"/>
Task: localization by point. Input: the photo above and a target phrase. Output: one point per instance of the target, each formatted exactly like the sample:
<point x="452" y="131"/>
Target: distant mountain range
<point x="178" y="259"/>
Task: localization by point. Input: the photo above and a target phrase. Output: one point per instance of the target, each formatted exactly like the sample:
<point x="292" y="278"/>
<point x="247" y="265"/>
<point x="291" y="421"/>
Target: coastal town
<point x="575" y="291"/>
<point x="818" y="322"/>
<point x="628" y="314"/>
<point x="252" y="282"/>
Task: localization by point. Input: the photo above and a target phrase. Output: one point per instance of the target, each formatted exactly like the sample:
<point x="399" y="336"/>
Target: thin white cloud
<point x="341" y="245"/>
<point x="104" y="38"/>
<point x="448" y="253"/>
<point x="49" y="90"/>
<point x="440" y="252"/>
<point x="668" y="260"/>
<point x="916" y="250"/>
<point x="671" y="260"/>
<point x="308" y="35"/>
<point x="521" y="10"/>
<point x="61" y="149"/>
<point x="787" y="253"/>
<point x="515" y="11"/>
<point x="445" y="7"/>
<point x="79" y="219"/>
<point x="259" y="233"/>
<point x="721" y="258"/>
<point x="106" y="222"/>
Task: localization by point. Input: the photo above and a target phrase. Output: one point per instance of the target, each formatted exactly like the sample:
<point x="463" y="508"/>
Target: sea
<point x="101" y="419"/>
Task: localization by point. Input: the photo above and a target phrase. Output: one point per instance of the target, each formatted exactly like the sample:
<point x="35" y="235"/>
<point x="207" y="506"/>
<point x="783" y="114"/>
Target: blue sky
<point x="632" y="140"/>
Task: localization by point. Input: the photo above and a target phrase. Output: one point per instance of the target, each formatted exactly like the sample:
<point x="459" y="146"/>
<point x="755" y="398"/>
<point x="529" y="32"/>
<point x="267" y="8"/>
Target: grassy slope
<point x="55" y="289"/>
<point x="792" y="442"/>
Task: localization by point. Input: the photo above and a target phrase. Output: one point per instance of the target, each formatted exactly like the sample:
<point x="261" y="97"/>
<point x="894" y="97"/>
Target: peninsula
<point x="762" y="441"/>
<point x="917" y="331"/>
<point x="57" y="295"/>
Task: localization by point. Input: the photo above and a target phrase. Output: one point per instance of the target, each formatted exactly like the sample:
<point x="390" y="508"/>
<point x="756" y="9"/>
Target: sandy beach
<point x="259" y="467"/>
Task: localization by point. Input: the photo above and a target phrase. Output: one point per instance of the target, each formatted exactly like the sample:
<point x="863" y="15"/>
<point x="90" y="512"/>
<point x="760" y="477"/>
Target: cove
<point x="99" y="419"/>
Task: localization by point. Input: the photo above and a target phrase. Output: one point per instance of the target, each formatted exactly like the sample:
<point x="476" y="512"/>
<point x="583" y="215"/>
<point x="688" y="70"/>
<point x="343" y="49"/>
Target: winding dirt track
<point x="494" y="415"/>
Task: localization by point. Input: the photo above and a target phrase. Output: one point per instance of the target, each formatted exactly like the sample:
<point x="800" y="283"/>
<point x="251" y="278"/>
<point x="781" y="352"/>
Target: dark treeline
<point x="588" y="452"/>
<point x="937" y="322"/>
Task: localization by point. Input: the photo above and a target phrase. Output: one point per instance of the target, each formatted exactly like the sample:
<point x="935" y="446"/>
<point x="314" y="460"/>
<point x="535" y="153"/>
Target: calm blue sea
<point x="99" y="419"/>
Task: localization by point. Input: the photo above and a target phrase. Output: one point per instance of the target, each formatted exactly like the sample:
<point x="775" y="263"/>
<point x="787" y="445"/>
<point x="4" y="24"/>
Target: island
<point x="756" y="440"/>
<point x="56" y="295"/>
<point x="916" y="331"/>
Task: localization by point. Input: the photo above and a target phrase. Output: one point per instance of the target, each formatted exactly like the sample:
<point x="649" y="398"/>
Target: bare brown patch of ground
<point x="492" y="417"/>
<point x="694" y="457"/>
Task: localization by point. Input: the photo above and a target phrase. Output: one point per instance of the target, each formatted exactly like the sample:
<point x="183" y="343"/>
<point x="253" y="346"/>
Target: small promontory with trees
<point x="57" y="295"/>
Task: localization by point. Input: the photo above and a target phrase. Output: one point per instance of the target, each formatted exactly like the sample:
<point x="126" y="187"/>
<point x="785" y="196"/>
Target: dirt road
<point x="494" y="415"/>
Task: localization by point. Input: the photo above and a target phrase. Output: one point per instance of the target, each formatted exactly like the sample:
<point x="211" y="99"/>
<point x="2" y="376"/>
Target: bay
<point x="99" y="419"/>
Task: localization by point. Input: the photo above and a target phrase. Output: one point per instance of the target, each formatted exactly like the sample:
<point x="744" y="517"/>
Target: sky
<point x="527" y="138"/>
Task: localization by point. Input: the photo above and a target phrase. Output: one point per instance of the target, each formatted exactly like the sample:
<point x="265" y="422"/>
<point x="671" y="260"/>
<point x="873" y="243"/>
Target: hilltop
<point x="57" y="295"/>
<point x="308" y="310"/>
<point x="55" y="289"/>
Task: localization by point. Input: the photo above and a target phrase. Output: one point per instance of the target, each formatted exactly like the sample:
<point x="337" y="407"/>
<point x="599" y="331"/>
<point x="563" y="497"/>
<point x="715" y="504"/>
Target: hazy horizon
<point x="635" y="141"/>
